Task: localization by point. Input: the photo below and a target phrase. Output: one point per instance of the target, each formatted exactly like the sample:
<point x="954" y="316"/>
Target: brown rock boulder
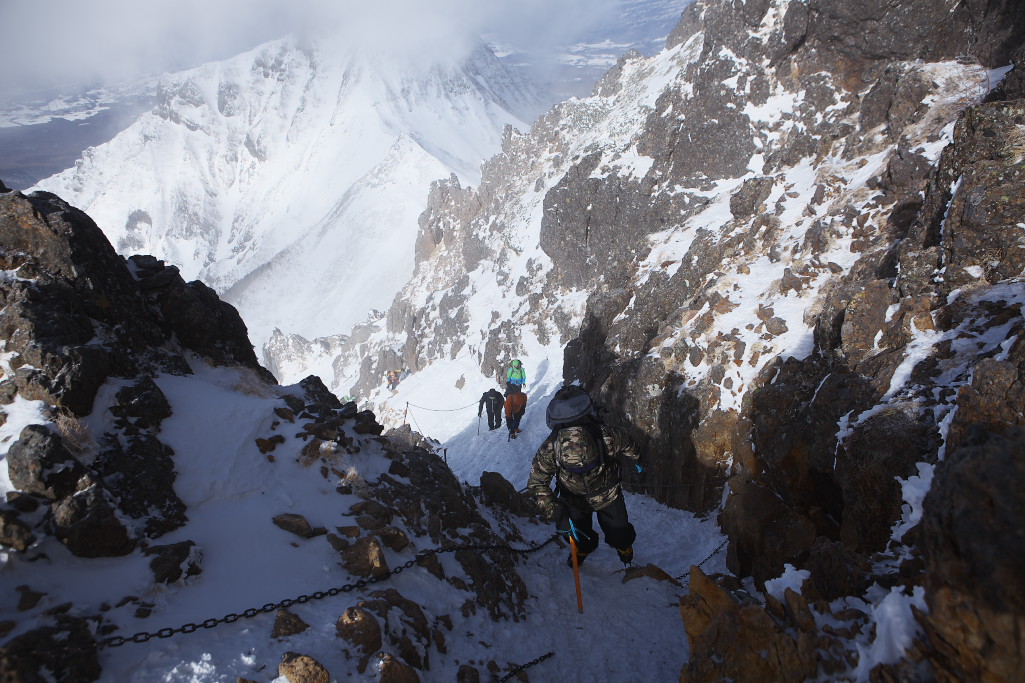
<point x="298" y="525"/>
<point x="14" y="533"/>
<point x="498" y="492"/>
<point x="764" y="533"/>
<point x="747" y="201"/>
<point x="885" y="446"/>
<point x="864" y="319"/>
<point x="299" y="668"/>
<point x="287" y="623"/>
<point x="171" y="562"/>
<point x="729" y="634"/>
<point x="365" y="558"/>
<point x="393" y="670"/>
<point x="974" y="552"/>
<point x="38" y="463"/>
<point x="360" y="628"/>
<point x="88" y="525"/>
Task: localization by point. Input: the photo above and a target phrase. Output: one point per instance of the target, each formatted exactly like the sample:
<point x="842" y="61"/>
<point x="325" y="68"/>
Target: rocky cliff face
<point x="76" y="316"/>
<point x="788" y="251"/>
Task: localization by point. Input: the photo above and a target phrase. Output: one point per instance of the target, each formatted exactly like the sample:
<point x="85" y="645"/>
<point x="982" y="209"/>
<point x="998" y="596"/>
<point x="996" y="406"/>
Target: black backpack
<point x="576" y="431"/>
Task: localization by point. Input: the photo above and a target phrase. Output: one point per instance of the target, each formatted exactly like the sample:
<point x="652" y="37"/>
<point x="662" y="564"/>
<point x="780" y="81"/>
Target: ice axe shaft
<point x="576" y="574"/>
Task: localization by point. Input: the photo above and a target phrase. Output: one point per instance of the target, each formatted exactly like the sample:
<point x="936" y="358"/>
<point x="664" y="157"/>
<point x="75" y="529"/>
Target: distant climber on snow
<point x="393" y="379"/>
<point x="515" y="378"/>
<point x="515" y="405"/>
<point x="493" y="400"/>
<point x="581" y="455"/>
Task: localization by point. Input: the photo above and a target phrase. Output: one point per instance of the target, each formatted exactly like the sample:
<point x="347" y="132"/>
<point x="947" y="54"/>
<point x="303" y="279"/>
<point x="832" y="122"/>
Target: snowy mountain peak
<point x="293" y="158"/>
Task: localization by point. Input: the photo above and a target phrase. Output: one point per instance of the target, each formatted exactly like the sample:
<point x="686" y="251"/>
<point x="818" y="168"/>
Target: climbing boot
<point x="627" y="556"/>
<point x="580" y="559"/>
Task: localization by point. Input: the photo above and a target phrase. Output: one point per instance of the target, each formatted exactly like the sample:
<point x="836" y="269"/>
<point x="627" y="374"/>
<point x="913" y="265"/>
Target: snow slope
<point x="627" y="631"/>
<point x="232" y="491"/>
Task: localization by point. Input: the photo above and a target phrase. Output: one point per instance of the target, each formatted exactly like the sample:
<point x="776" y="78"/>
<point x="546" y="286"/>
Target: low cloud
<point x="53" y="43"/>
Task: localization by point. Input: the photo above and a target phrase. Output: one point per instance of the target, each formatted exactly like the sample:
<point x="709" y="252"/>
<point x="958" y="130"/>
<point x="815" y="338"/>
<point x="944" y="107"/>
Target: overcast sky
<point x="58" y="42"/>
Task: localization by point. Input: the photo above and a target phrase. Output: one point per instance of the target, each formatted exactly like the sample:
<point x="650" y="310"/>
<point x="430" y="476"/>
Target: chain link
<point x="231" y="618"/>
<point x="700" y="564"/>
<point x="525" y="666"/>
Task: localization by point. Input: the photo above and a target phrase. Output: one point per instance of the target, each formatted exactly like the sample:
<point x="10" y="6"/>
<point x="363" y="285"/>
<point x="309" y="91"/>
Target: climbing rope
<point x="435" y="410"/>
<point x="441" y="410"/>
<point x="415" y="423"/>
<point x="144" y="636"/>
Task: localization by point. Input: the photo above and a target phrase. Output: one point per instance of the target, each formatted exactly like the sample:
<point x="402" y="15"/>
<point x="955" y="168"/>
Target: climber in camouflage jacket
<point x="600" y="486"/>
<point x="581" y="493"/>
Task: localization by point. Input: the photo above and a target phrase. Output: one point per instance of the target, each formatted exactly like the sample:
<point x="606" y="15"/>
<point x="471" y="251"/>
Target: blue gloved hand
<point x="639" y="468"/>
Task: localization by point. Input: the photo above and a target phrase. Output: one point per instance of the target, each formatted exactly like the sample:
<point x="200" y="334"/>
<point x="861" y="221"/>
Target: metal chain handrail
<point x="524" y="667"/>
<point x="686" y="575"/>
<point x="232" y="617"/>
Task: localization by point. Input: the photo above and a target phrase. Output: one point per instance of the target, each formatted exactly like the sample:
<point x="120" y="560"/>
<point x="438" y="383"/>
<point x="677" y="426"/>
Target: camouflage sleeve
<point x="620" y="443"/>
<point x="543" y="469"/>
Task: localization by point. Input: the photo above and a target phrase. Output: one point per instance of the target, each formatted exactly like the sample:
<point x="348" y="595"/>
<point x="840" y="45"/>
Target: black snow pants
<point x="613" y="520"/>
<point x="494" y="409"/>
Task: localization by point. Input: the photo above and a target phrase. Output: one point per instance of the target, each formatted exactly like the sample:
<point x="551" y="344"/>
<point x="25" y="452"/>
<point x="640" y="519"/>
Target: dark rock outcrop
<point x="14" y="533"/>
<point x="74" y="289"/>
<point x="450" y="515"/>
<point x="496" y="491"/>
<point x="66" y="651"/>
<point x="76" y="315"/>
<point x="38" y="463"/>
<point x="920" y="29"/>
<point x="974" y="551"/>
<point x="174" y="561"/>
<point x="88" y="525"/>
